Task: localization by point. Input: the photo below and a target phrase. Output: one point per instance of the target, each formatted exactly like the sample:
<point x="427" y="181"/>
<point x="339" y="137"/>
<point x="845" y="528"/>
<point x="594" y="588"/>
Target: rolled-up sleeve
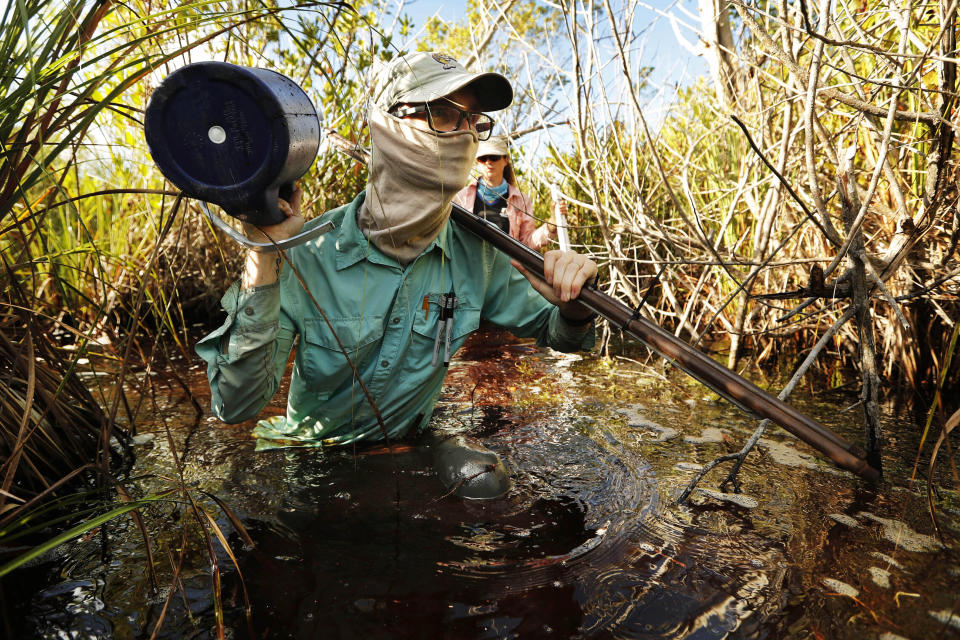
<point x="512" y="303"/>
<point x="564" y="336"/>
<point x="247" y="355"/>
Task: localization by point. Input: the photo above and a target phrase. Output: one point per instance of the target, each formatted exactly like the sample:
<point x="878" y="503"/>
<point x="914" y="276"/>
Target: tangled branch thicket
<point x="816" y="172"/>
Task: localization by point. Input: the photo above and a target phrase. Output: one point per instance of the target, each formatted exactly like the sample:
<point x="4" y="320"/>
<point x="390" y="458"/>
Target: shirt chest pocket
<point x="466" y="320"/>
<point x="322" y="361"/>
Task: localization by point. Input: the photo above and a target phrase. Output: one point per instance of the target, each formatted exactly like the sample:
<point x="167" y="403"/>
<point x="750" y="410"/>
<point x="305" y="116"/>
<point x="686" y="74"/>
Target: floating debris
<point x="890" y="561"/>
<point x="710" y="435"/>
<point x="633" y="415"/>
<point x="688" y="466"/>
<point x="666" y="433"/>
<point x="886" y="635"/>
<point x="786" y="455"/>
<point x="881" y="577"/>
<point x="143" y="438"/>
<point x="645" y="424"/>
<point x="583" y="548"/>
<point x="903" y="536"/>
<point x="747" y="502"/>
<point x="946" y="616"/>
<point x="843" y="518"/>
<point x="636" y="420"/>
<point x="842" y="588"/>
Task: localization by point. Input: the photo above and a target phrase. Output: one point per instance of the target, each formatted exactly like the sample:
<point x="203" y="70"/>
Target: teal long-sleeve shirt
<point x="385" y="316"/>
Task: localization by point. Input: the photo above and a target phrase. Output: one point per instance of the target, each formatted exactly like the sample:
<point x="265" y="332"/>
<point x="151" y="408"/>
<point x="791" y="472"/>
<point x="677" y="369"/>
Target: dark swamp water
<point x="589" y="543"/>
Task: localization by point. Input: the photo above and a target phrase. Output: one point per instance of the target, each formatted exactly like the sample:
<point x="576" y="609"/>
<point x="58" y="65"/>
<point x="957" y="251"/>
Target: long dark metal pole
<point x="721" y="380"/>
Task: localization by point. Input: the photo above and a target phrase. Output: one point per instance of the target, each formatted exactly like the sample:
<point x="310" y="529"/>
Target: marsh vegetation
<point x="794" y="209"/>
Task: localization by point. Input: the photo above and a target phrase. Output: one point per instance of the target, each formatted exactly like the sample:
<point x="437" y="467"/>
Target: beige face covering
<point x="414" y="175"/>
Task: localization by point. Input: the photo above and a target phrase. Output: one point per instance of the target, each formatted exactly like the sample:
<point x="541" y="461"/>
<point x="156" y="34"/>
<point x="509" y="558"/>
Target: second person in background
<point x="496" y="197"/>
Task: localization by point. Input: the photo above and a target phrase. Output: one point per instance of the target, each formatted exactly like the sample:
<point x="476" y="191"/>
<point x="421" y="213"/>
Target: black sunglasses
<point x="445" y="118"/>
<point x="488" y="158"/>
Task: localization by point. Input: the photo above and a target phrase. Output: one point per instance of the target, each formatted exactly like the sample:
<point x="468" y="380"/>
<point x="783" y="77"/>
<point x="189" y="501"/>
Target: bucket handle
<point x="265" y="247"/>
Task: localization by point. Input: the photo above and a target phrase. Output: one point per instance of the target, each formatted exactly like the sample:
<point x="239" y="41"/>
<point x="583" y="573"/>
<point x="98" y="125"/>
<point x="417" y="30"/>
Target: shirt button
<point x="248" y="311"/>
<point x="396" y="320"/>
<point x="384" y="364"/>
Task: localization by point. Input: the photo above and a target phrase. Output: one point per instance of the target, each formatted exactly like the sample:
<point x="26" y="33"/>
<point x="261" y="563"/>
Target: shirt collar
<point x="353" y="246"/>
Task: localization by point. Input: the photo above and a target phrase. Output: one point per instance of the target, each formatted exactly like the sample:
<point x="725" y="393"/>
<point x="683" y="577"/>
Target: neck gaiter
<point x="414" y="175"/>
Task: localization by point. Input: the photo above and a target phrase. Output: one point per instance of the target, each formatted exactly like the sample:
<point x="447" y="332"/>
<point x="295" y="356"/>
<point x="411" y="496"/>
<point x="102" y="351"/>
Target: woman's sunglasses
<point x="488" y="158"/>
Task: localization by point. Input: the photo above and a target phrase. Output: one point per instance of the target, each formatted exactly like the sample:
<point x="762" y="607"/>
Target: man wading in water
<point x="401" y="283"/>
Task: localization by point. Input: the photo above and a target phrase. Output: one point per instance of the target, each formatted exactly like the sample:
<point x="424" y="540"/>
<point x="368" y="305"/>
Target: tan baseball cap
<point x="425" y="76"/>
<point x="495" y="146"/>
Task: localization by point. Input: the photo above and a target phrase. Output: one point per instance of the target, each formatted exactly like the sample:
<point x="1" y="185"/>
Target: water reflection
<point x="365" y="543"/>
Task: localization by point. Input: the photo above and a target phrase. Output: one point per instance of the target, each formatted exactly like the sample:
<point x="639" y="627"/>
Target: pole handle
<point x="266" y="247"/>
<point x="736" y="389"/>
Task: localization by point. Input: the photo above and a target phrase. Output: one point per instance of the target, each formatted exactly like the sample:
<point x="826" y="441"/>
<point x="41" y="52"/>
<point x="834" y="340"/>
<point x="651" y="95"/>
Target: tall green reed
<point x="102" y="266"/>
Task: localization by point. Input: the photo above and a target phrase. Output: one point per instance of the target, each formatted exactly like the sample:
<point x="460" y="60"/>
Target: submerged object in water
<point x="469" y="469"/>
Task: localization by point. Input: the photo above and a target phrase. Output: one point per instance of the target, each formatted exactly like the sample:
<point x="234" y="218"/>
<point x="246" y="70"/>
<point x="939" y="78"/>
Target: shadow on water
<point x="367" y="543"/>
<point x="368" y="547"/>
